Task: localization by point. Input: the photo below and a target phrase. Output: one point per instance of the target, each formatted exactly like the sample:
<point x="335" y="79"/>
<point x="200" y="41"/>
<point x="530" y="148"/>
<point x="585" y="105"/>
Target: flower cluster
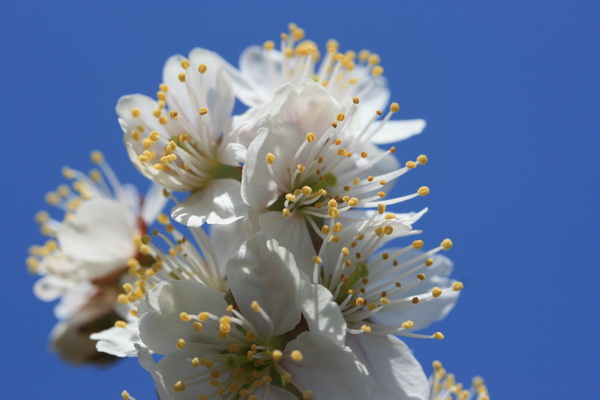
<point x="282" y="269"/>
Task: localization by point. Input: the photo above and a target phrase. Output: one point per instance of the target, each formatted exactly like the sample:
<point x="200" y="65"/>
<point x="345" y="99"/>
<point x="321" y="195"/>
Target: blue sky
<point x="510" y="91"/>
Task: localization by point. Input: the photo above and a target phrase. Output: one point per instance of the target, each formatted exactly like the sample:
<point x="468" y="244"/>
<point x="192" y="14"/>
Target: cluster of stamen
<point x="100" y="182"/>
<point x="344" y="74"/>
<point x="243" y="364"/>
<point x="364" y="286"/>
<point x="328" y="174"/>
<point x="183" y="155"/>
<point x="445" y="387"/>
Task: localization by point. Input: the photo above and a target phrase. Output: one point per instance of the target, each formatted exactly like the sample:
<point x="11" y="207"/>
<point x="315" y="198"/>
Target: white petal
<point x="258" y="190"/>
<point x="245" y="126"/>
<point x="232" y="154"/>
<point x="74" y="300"/>
<point x="293" y="234"/>
<point x="217" y="203"/>
<point x="153" y="203"/>
<point x="396" y="372"/>
<point x="254" y="65"/>
<point x="227" y="239"/>
<point x="160" y="322"/>
<point x="100" y="233"/>
<point x="177" y="367"/>
<point x="217" y="87"/>
<point x="328" y="370"/>
<point x="396" y="131"/>
<point x="322" y="314"/>
<point x="50" y="287"/>
<point x="117" y="341"/>
<point x="148" y="363"/>
<point x="265" y="272"/>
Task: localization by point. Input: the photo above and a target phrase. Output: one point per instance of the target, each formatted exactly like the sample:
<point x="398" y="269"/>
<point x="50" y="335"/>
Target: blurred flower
<point x="88" y="252"/>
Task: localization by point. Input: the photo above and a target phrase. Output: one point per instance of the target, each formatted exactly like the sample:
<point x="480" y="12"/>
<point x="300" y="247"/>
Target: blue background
<point x="510" y="91"/>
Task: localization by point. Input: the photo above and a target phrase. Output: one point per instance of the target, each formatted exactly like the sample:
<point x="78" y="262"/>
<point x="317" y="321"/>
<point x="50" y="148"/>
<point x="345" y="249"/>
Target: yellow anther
<point x="179" y="386"/>
<point x="385" y="301"/>
<point x="163" y="120"/>
<point x="181" y="77"/>
<point x="377" y="70"/>
<point x="394" y="107"/>
<point x="197" y="326"/>
<point x="270" y="158"/>
<point x="457" y="286"/>
<point x="429" y="262"/>
<point x="276" y="355"/>
<point x="135" y="113"/>
<point x="162" y="96"/>
<point x="421" y="277"/>
<point x="202" y="68"/>
<point x="97" y="157"/>
<point x="121" y="324"/>
<point x="269" y="45"/>
<point x="438" y="335"/>
<point x="436" y="292"/>
<point x="374" y="59"/>
<point x="332" y="203"/>
<point x="203" y="316"/>
<point x="290" y="197"/>
<point x="337" y="227"/>
<point x="203" y="111"/>
<point x="185" y="317"/>
<point x="446" y="244"/>
<point x="334" y="238"/>
<point x="286" y="213"/>
<point x="255" y="306"/>
<point x="410" y="164"/>
<point x="381" y="194"/>
<point x="296" y="355"/>
<point x="365" y="328"/>
<point x="317" y="259"/>
<point x="408" y="324"/>
<point x="360" y="301"/>
<point x="417" y="244"/>
<point x="415" y="300"/>
<point x="341" y="152"/>
<point x="310" y="137"/>
<point x="180" y="344"/>
<point x="340" y="117"/>
<point x="422" y="159"/>
<point x="423" y="191"/>
<point x="306" y="395"/>
<point x="156" y="112"/>
<point x="300" y="168"/>
<point x="122" y="299"/>
<point x="173" y="114"/>
<point x="306" y="190"/>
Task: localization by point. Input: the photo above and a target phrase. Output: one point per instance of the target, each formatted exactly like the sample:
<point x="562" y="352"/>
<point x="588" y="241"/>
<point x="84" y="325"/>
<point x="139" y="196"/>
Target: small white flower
<point x="344" y="75"/>
<point x="253" y="345"/>
<point x="88" y="252"/>
<point x="314" y="161"/>
<point x="384" y="293"/>
<point x="445" y="387"/>
<point x="182" y="140"/>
